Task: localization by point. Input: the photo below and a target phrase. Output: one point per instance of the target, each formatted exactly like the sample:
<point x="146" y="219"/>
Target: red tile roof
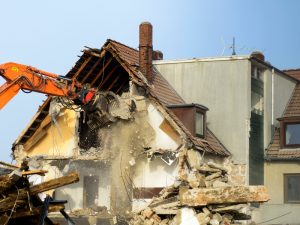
<point x="295" y="73"/>
<point x="275" y="152"/>
<point x="293" y="108"/>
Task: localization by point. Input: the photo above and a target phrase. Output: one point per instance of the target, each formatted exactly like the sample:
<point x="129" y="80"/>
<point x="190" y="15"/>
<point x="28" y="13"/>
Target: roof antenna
<point x="233" y="46"/>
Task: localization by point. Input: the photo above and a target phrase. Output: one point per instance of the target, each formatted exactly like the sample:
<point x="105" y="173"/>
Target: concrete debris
<point x="202" y="197"/>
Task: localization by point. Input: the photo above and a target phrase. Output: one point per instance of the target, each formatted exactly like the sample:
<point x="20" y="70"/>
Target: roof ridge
<point x="114" y="41"/>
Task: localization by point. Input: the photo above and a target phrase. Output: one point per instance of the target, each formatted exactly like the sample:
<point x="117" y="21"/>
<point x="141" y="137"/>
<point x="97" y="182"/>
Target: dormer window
<point x="193" y="117"/>
<point x="290" y="132"/>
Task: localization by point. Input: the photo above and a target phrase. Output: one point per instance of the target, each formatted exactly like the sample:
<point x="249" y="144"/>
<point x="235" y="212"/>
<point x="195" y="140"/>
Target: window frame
<point x="285" y="187"/>
<point x="283" y="125"/>
<point x="203" y="123"/>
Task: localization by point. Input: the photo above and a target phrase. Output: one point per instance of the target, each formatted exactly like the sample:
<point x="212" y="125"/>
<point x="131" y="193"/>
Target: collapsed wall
<point x="203" y="194"/>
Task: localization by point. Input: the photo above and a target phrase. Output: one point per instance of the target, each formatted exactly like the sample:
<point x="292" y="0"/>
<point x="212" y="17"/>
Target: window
<point x="292" y="134"/>
<point x="292" y="188"/>
<point x="256" y="72"/>
<point x="199" y="124"/>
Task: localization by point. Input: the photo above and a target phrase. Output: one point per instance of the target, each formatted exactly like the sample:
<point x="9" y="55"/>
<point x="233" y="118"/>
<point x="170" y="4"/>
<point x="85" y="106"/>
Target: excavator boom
<point x="27" y="78"/>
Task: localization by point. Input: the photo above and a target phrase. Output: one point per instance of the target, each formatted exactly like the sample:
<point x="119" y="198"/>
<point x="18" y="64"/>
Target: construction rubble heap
<point x="20" y="202"/>
<point x="202" y="196"/>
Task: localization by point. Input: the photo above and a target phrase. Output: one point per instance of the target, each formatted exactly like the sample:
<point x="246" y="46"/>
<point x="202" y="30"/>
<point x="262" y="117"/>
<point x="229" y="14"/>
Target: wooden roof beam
<point x="107" y="76"/>
<point x="82" y="67"/>
<point x="91" y="70"/>
<point x="102" y="70"/>
<point x="113" y="83"/>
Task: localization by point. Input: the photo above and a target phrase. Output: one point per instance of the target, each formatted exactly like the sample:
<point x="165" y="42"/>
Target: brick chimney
<point x="145" y="50"/>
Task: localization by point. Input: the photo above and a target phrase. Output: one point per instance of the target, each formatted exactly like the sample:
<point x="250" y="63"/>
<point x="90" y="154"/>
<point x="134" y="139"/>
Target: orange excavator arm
<point x="21" y="77"/>
<point x="27" y="78"/>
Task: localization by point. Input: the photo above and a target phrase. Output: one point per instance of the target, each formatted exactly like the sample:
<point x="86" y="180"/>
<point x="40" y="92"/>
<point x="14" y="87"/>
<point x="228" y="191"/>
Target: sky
<point x="50" y="35"/>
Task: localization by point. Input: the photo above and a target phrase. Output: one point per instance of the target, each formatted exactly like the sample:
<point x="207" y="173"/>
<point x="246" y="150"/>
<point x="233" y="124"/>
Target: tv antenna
<point x="233" y="47"/>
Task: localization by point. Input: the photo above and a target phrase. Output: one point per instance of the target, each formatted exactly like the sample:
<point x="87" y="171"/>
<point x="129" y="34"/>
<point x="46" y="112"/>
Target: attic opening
<point x="101" y="70"/>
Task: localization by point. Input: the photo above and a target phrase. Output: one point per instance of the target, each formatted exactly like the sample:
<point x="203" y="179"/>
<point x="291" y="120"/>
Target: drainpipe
<point x="272" y="112"/>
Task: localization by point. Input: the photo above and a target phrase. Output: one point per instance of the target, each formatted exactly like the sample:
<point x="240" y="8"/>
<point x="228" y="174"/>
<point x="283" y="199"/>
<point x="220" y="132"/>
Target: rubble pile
<point x="202" y="196"/>
<point x="19" y="200"/>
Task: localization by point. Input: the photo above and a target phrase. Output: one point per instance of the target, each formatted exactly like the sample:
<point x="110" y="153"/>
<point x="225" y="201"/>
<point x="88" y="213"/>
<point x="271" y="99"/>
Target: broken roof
<point x="105" y="69"/>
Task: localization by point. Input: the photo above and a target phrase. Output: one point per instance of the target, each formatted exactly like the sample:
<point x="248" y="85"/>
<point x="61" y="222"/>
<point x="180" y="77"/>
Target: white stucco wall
<point x="277" y="99"/>
<point x="162" y="140"/>
<point x="225" y="88"/>
<point x="155" y="173"/>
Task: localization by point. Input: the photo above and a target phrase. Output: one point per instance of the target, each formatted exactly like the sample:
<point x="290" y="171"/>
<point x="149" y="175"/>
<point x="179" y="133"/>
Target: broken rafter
<point x="82" y="67"/>
<point x="220" y="195"/>
<point x="101" y="72"/>
<point x="91" y="70"/>
<point x="106" y="77"/>
<point x="113" y="83"/>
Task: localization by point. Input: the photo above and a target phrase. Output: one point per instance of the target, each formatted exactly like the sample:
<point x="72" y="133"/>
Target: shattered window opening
<point x="90" y="191"/>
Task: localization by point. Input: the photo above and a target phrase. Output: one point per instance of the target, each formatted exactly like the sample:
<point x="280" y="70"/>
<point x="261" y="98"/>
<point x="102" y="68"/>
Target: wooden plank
<point x="55" y="183"/>
<point x="36" y="172"/>
<point x="101" y="71"/>
<point x="8" y="202"/>
<point x="220" y="195"/>
<point x="9" y="165"/>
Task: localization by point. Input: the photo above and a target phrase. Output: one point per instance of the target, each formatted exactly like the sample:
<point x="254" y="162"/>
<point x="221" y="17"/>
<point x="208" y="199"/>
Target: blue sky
<point x="50" y="34"/>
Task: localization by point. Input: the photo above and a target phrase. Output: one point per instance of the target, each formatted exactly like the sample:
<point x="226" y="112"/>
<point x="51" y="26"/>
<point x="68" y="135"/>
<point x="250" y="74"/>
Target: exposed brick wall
<point x="145" y="50"/>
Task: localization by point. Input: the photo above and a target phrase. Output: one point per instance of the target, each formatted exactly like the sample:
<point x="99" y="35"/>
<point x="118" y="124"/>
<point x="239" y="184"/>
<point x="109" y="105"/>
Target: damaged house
<point x="147" y="139"/>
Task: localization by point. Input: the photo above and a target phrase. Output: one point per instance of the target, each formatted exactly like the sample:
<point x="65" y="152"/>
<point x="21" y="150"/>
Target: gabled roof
<point x="292" y="110"/>
<point x="295" y="73"/>
<point x="92" y="67"/>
